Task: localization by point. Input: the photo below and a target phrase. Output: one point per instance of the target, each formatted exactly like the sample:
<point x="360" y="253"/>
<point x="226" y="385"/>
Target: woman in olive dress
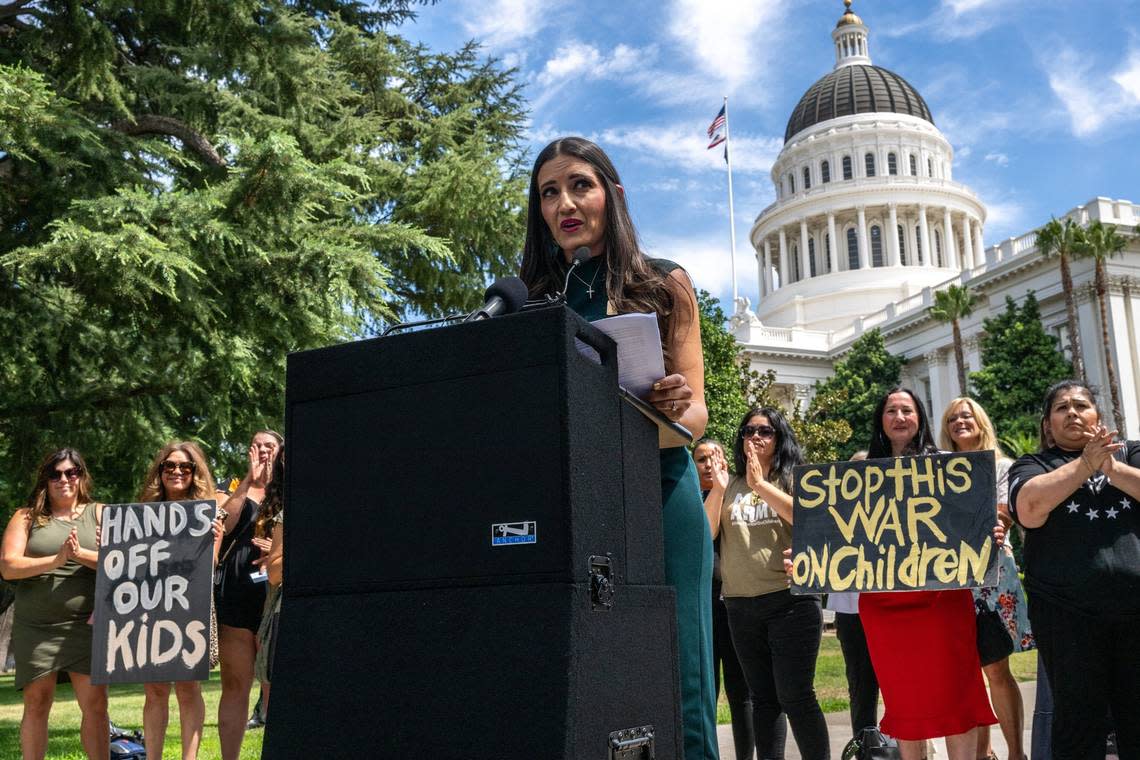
<point x="50" y="550"/>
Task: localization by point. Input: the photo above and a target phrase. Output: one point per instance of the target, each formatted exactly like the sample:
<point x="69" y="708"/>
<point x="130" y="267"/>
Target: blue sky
<point x="1040" y="98"/>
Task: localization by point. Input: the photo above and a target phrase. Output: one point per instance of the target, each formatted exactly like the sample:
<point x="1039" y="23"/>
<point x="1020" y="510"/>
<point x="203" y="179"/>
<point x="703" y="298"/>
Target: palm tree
<point x="951" y="305"/>
<point x="1055" y="239"/>
<point x="1101" y="242"/>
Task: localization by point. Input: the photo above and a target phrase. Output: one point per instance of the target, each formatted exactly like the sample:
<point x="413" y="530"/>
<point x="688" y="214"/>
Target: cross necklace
<point x="589" y="285"/>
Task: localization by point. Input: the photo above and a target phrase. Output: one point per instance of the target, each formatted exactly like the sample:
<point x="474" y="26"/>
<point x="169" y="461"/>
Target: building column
<point x="893" y="236"/>
<point x="784" y="268"/>
<point x="979" y="246"/>
<point x="832" y="259"/>
<point x="967" y="244"/>
<point x="864" y="251"/>
<point x="805" y="264"/>
<point x="766" y="267"/>
<point x="924" y="231"/>
<point x="949" y="250"/>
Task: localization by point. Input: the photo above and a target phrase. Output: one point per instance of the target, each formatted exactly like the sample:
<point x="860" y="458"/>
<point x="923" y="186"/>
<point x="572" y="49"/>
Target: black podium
<point x="473" y="564"/>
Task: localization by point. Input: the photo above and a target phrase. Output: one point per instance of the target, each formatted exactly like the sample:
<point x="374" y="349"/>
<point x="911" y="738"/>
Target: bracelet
<point x="1087" y="463"/>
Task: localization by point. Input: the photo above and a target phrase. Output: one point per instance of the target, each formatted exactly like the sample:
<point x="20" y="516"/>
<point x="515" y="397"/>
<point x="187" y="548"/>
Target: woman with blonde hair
<point x="50" y="551"/>
<point x="179" y="472"/>
<point x="967" y="427"/>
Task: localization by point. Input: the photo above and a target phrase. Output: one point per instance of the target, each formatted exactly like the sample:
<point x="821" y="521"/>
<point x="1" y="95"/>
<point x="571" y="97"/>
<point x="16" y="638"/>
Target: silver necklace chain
<point x="589" y="285"/>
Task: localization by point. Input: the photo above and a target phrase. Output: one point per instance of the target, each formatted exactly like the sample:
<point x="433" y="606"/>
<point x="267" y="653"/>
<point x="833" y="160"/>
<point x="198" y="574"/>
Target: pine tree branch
<point x="151" y="124"/>
<point x="10" y="13"/>
<point x="101" y="400"/>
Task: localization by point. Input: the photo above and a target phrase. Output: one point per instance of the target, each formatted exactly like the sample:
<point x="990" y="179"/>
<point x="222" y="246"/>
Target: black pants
<point x="862" y="685"/>
<point x="736" y="690"/>
<point x="777" y="640"/>
<point x="1094" y="668"/>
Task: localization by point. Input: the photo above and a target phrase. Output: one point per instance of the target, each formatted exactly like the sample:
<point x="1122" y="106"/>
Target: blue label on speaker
<point x="512" y="534"/>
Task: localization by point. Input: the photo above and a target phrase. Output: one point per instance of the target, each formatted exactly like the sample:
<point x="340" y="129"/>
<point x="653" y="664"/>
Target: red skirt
<point x="923" y="646"/>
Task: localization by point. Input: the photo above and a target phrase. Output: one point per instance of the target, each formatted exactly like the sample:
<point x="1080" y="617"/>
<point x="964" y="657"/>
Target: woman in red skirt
<point x="923" y="643"/>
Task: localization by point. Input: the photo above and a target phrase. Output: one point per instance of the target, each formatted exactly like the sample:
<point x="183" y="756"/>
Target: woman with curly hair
<point x="179" y="472"/>
<point x="967" y="427"/>
<point x="50" y="550"/>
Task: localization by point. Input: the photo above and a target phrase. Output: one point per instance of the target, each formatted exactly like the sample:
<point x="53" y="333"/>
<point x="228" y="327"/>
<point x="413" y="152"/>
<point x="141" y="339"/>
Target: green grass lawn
<point x="831" y="682"/>
<point x="126" y="703"/>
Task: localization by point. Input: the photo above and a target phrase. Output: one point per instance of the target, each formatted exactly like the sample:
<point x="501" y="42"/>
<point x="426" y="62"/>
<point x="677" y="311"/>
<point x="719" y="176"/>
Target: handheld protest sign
<point x="152" y="593"/>
<point x="900" y="524"/>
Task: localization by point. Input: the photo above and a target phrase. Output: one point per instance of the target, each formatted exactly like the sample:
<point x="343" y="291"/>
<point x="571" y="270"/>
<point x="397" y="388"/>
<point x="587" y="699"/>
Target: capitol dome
<point x="867" y="211"/>
<point x="853" y="89"/>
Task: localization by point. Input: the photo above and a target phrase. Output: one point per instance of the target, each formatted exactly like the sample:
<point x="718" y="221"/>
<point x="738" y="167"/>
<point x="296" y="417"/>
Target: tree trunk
<point x="1109" y="364"/>
<point x="959" y="357"/>
<point x="1074" y="326"/>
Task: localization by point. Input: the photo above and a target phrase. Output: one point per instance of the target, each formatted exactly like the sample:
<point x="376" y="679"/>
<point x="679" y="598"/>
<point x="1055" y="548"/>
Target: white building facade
<point x="868" y="223"/>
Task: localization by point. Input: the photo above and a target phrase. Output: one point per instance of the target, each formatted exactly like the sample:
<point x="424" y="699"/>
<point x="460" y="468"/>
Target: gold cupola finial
<point x="848" y="16"/>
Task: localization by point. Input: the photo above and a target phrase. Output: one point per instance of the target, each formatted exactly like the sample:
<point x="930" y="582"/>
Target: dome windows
<point x="847" y="167"/>
<point x="869" y="164"/>
<point x="929" y="167"/>
<point x="892" y="164"/>
<point x="807" y="178"/>
<point x="913" y="166"/>
<point x="876" y="246"/>
<point x="825" y="171"/>
<point x="852" y="249"/>
<point x="811" y="256"/>
<point x="902" y="245"/>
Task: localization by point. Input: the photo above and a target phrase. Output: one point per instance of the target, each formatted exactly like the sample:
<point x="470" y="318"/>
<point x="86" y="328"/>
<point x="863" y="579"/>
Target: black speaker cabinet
<point x="473" y="564"/>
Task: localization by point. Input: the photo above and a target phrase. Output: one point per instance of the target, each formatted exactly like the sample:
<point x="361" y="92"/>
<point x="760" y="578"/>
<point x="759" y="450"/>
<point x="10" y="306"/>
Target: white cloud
<point x="725" y="41"/>
<point x="502" y="23"/>
<point x="1004" y="219"/>
<point x="707" y="260"/>
<point x="579" y="60"/>
<point x="958" y="19"/>
<point x="1092" y="102"/>
<point x="964" y="152"/>
<point x="683" y="145"/>
<point x="1000" y="159"/>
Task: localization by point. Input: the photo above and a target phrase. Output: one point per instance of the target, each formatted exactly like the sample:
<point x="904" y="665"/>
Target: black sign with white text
<point x="152" y="593"/>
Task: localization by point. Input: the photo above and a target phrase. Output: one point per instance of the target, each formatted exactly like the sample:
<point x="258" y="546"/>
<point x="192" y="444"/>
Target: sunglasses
<point x="183" y="467"/>
<point x="70" y="474"/>
<point x="764" y="431"/>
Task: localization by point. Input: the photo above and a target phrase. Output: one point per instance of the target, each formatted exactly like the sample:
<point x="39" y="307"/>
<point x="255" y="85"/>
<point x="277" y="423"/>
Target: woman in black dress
<point x="240" y="594"/>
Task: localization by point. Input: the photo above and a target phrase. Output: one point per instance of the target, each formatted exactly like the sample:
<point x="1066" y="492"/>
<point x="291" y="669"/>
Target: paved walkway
<point x="839" y="731"/>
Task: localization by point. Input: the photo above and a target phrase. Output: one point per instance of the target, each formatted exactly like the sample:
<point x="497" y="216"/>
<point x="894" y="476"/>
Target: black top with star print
<point x="1086" y="557"/>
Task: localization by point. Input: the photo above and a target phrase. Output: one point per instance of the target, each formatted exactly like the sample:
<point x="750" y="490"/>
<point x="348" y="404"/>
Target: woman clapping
<point x="50" y="549"/>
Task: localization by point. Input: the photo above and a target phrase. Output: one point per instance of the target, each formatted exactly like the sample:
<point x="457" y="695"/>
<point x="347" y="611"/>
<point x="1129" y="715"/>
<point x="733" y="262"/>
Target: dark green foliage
<point x="192" y="189"/>
<point x="1019" y="362"/>
<point x="723" y="394"/>
<point x="861" y="379"/>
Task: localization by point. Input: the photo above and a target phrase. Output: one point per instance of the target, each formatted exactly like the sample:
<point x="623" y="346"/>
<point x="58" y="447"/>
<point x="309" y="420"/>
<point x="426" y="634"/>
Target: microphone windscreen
<point x="512" y="290"/>
<point x="582" y="254"/>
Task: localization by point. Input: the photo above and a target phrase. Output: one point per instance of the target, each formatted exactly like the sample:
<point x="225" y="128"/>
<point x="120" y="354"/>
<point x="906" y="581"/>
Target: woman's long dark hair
<point x="1045" y="441"/>
<point x="274" y="500"/>
<point x="923" y="441"/>
<point x="632" y="283"/>
<point x="786" y="455"/>
<point x="38" y="503"/>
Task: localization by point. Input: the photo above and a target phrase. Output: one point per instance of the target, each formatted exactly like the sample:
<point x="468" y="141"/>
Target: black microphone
<point x="505" y="296"/>
<point x="581" y="256"/>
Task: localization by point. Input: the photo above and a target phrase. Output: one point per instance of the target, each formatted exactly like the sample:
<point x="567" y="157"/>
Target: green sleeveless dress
<point x="688" y="548"/>
<point x="50" y="631"/>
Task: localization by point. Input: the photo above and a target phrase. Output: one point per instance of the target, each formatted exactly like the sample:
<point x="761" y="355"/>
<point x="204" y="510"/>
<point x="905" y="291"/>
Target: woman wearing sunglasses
<point x="179" y="472"/>
<point x="50" y="550"/>
<point x="776" y="635"/>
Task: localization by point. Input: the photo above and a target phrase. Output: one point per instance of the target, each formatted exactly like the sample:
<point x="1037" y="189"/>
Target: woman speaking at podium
<point x="577" y="200"/>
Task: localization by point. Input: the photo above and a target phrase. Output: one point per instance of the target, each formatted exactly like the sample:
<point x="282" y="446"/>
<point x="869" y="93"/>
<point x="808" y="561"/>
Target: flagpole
<point x="731" y="216"/>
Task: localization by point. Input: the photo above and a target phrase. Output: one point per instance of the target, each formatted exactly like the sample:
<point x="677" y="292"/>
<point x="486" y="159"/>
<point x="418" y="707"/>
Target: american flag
<point x="716" y="129"/>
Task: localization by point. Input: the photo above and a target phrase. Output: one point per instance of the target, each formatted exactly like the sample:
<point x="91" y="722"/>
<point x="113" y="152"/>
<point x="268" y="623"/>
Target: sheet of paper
<point x="640" y="362"/>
